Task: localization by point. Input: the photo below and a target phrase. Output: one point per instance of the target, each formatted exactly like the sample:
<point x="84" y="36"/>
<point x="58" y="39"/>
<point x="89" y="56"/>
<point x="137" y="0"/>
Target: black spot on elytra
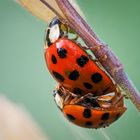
<point x="87" y="113"/>
<point x="105" y="116"/>
<point x="58" y="76"/>
<point x="70" y="117"/>
<point x="87" y="85"/>
<point x="54" y="60"/>
<point x="62" y="53"/>
<point x="77" y="91"/>
<point x="82" y="60"/>
<point x="74" y="75"/>
<point x="89" y="124"/>
<point x="96" y="77"/>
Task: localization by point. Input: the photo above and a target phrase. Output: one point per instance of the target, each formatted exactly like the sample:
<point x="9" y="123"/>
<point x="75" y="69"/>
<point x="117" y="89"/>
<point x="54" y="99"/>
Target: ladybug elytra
<point x="71" y="65"/>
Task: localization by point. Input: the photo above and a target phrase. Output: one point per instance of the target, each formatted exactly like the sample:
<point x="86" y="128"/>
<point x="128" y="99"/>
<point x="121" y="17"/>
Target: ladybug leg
<point x="118" y="102"/>
<point x="118" y="99"/>
<point x="66" y="92"/>
<point x="113" y="99"/>
<point x="67" y="100"/>
<point x="77" y="100"/>
<point x="126" y="96"/>
<point x="83" y="47"/>
<point x="72" y="94"/>
<point x="86" y="48"/>
<point x="110" y="103"/>
<point x="61" y="91"/>
<point x="103" y="57"/>
<point x="119" y="93"/>
<point x="105" y="101"/>
<point x="96" y="60"/>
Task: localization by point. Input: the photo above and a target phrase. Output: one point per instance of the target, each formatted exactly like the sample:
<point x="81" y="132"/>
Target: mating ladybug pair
<point x="86" y="94"/>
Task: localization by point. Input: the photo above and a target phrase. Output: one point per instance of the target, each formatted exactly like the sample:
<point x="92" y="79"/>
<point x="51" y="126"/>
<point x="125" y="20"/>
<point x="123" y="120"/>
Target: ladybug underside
<point x="88" y="111"/>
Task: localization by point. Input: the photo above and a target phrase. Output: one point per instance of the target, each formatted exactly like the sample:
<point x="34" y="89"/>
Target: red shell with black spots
<point x="72" y="67"/>
<point x="92" y="118"/>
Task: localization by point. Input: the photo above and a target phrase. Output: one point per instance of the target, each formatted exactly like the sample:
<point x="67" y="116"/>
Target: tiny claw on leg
<point x="103" y="57"/>
<point x="85" y="48"/>
<point x="77" y="100"/>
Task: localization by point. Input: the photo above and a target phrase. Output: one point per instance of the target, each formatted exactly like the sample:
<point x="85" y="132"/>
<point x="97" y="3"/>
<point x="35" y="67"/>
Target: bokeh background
<point x="25" y="79"/>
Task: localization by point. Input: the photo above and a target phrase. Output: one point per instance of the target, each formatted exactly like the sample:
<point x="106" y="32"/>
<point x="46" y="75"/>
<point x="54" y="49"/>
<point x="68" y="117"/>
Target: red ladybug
<point x="71" y="65"/>
<point x="88" y="111"/>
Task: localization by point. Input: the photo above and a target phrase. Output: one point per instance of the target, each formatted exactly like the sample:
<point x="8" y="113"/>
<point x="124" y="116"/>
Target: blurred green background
<point x="25" y="79"/>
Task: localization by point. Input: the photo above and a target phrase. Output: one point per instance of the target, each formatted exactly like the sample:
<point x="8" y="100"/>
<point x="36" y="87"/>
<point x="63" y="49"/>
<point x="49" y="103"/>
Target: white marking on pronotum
<point x="54" y="33"/>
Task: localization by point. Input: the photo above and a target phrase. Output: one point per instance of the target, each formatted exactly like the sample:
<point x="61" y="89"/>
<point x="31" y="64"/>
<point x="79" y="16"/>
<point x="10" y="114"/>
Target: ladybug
<point x="72" y="66"/>
<point x="88" y="111"/>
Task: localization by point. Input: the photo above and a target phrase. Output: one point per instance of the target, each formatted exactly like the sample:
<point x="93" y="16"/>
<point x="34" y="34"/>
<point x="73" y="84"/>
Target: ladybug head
<point x="54" y="32"/>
